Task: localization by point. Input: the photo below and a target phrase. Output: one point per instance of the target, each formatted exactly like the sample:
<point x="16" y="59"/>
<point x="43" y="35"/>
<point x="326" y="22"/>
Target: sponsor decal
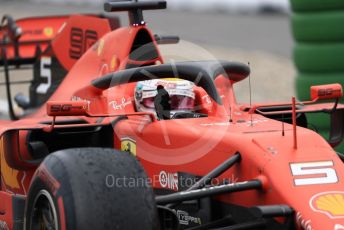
<point x="320" y="172"/>
<point x="304" y="224"/>
<point x="75" y="98"/>
<point x="62" y="108"/>
<point x="339" y="227"/>
<point x="114" y="63"/>
<point x="329" y="203"/>
<point x="32" y="32"/>
<point x="169" y="83"/>
<point x="166" y="84"/>
<point x="168" y="180"/>
<point x="148" y="94"/>
<point x="328" y="92"/>
<point x="206" y="99"/>
<point x="48" y="31"/>
<point x="9" y="175"/>
<point x="183" y="92"/>
<point x="128" y="145"/>
<point x="256" y="121"/>
<point x="185" y="219"/>
<point x="100" y="47"/>
<point x="3" y="225"/>
<point x="118" y="105"/>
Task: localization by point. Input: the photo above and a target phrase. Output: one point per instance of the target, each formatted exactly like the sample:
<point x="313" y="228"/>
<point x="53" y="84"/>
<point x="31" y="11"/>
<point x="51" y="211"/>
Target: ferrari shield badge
<point x="128" y="145"/>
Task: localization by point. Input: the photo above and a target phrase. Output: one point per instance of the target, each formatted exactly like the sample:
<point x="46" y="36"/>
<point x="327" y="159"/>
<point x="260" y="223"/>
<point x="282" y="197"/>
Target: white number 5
<point x="321" y="172"/>
<point x="45" y="73"/>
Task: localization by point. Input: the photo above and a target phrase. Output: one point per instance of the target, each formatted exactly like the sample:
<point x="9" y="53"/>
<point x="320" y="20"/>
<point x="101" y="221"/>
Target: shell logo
<point x="329" y="203"/>
<point x="8" y="174"/>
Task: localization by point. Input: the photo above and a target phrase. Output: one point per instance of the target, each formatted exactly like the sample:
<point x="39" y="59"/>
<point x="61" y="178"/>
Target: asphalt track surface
<point x="263" y="40"/>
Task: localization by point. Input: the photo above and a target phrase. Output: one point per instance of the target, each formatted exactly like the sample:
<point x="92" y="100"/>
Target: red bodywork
<point x="310" y="179"/>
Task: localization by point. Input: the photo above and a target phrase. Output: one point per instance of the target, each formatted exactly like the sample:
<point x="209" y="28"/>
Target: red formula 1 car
<point x="126" y="141"/>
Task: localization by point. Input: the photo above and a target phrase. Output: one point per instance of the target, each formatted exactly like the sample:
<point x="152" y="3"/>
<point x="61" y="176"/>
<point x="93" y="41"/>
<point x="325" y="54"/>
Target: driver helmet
<point x="182" y="96"/>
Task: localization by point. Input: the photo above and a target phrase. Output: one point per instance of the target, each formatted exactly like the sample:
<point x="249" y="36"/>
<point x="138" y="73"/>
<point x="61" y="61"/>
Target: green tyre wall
<point x="319" y="57"/>
<point x="316" y="5"/>
<point x="318" y="121"/>
<point x="318" y="27"/>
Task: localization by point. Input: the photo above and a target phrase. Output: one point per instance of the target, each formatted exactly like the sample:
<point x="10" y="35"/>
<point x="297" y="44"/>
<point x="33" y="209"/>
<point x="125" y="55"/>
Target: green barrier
<point x="316" y="5"/>
<point x="318" y="27"/>
<point x="340" y="148"/>
<point x="318" y="121"/>
<point x="322" y="57"/>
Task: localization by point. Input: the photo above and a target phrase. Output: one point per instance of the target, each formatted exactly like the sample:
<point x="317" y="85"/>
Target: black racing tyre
<point x="319" y="57"/>
<point x="304" y="81"/>
<point x="316" y="5"/>
<point x="318" y="27"/>
<point x="90" y="188"/>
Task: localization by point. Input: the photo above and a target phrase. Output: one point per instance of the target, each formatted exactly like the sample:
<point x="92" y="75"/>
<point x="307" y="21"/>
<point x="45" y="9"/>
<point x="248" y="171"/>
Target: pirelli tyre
<point x="319" y="57"/>
<point x="316" y="5"/>
<point x="318" y="26"/>
<point x="89" y="188"/>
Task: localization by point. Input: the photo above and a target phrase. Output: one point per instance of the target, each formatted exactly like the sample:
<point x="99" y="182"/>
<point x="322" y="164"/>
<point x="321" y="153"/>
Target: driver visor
<point x="178" y="102"/>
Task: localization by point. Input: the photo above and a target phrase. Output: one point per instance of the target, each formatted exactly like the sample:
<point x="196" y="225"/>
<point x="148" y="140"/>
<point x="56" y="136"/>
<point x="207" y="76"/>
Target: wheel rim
<point x="44" y="215"/>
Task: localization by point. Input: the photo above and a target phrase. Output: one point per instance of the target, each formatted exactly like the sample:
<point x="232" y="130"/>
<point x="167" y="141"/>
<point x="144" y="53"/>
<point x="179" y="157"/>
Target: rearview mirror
<point x="324" y="92"/>
<point x="67" y="108"/>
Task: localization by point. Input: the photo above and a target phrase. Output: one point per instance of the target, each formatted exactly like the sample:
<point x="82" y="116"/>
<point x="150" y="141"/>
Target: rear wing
<point x="20" y="40"/>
